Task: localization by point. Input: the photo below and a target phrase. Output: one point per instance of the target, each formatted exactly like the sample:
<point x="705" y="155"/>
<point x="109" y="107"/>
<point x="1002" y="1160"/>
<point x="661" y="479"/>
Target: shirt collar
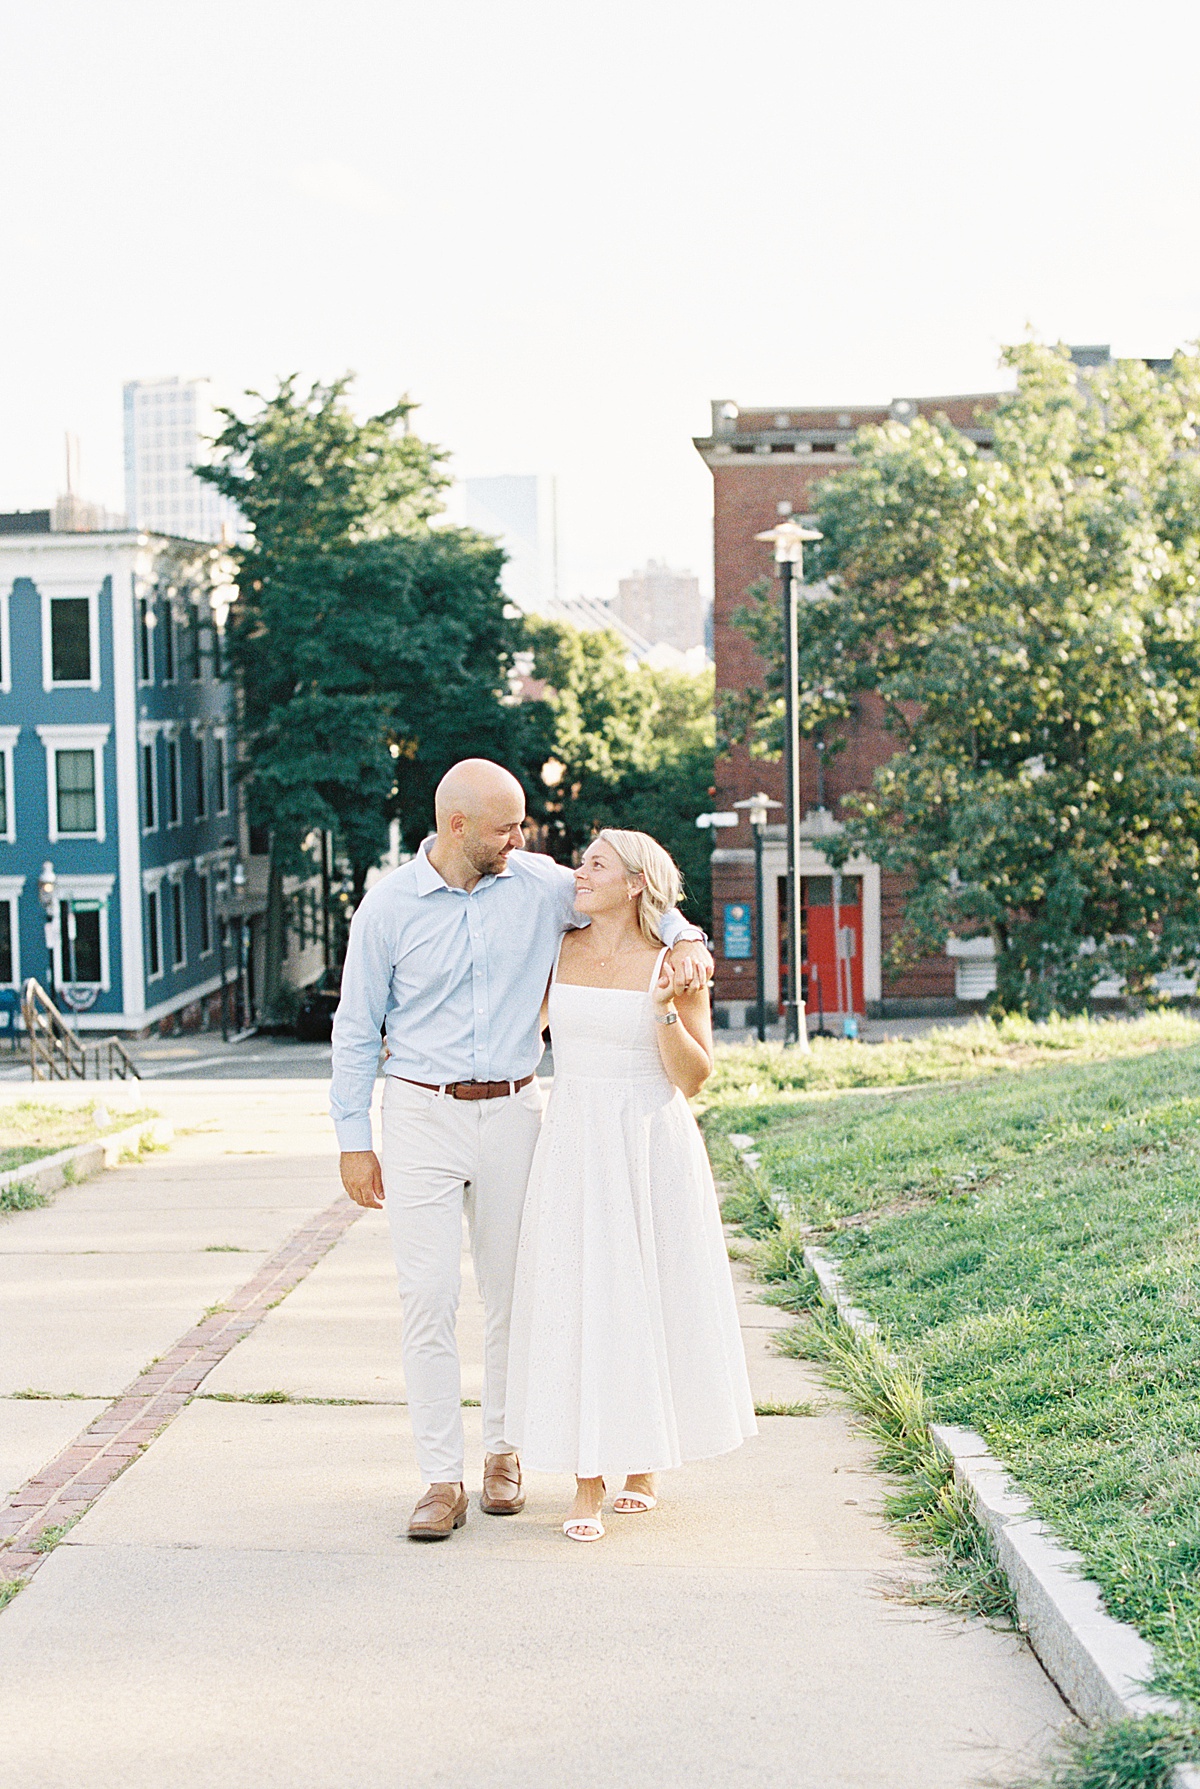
<point x="429" y="879"/>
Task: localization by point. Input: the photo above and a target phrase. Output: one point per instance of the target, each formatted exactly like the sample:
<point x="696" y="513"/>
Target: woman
<point x="625" y="1356"/>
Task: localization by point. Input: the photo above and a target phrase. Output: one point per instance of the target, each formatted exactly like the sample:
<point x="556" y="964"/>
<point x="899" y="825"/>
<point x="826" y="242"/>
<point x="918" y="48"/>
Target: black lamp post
<point x="789" y="538"/>
<point x="758" y="807"/>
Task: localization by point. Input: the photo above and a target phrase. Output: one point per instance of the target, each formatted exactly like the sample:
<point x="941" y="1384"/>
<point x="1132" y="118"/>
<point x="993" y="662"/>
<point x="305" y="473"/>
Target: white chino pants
<point x="441" y="1156"/>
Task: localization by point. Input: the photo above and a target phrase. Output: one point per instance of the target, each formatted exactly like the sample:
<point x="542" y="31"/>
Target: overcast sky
<point x="564" y="228"/>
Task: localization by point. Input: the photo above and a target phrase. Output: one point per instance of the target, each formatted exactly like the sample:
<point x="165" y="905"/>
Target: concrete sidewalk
<point x="240" y="1607"/>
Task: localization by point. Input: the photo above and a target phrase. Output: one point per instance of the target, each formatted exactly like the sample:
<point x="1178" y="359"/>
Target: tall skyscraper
<point x="520" y="511"/>
<point x="169" y="424"/>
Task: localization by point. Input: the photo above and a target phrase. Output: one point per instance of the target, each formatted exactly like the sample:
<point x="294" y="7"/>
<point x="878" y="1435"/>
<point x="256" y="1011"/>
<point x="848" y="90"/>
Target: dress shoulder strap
<point x="658" y="963"/>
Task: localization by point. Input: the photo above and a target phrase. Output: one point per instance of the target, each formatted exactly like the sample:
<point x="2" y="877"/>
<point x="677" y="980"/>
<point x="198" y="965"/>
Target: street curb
<point x="1099" y="1664"/>
<point x="49" y="1172"/>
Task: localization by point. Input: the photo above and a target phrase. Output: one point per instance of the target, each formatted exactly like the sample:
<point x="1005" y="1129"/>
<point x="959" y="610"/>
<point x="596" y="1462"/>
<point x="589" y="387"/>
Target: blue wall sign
<point x="739" y="940"/>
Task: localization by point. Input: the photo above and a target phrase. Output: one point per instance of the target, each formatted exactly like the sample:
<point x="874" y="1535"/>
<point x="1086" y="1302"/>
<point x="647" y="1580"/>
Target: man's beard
<point x="488" y="866"/>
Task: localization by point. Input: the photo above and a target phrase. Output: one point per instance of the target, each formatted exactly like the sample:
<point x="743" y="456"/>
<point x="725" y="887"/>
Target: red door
<point x="830" y="943"/>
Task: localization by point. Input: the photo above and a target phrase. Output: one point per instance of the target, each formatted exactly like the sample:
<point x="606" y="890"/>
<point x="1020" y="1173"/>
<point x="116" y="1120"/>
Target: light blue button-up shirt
<point x="458" y="979"/>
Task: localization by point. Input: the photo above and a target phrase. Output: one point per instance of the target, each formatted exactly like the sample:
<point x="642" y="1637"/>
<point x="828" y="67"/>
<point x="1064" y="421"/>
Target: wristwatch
<point x="666" y="1018"/>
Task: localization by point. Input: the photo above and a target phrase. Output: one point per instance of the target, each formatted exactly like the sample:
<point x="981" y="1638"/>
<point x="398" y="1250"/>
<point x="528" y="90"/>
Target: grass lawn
<point x="1030" y="1242"/>
<point x="30" y="1129"/>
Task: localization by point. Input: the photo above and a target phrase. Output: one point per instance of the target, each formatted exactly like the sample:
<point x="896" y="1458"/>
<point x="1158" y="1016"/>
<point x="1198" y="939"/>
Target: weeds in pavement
<point x="20" y="1196"/>
<point x="9" y="1588"/>
<point x="225" y="1248"/>
<point x="50" y="1537"/>
<point x="805" y="1408"/>
<point x="1126" y="1755"/>
<point x="213" y="1310"/>
<point x="48" y="1396"/>
<point x="932" y="1514"/>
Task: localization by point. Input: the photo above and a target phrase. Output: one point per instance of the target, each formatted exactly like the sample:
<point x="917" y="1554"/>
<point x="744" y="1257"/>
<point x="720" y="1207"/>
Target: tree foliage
<point x="635" y="744"/>
<point x="1030" y="619"/>
<point x="369" y="650"/>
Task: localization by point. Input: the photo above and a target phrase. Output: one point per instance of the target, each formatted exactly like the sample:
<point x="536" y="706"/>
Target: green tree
<point x="1030" y="620"/>
<point x="635" y="745"/>
<point x="368" y="649"/>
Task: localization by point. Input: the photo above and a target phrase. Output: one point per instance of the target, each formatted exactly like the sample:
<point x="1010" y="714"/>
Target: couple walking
<point x="611" y="1346"/>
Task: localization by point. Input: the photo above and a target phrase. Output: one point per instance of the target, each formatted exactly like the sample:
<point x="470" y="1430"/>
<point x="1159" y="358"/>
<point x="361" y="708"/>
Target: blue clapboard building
<point x="116" y="753"/>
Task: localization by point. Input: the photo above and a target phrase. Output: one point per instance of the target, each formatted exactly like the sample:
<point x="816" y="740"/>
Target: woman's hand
<point x="663" y="991"/>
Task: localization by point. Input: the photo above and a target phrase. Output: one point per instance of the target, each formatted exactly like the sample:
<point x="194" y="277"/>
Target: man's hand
<point x="361" y="1177"/>
<point x="690" y="966"/>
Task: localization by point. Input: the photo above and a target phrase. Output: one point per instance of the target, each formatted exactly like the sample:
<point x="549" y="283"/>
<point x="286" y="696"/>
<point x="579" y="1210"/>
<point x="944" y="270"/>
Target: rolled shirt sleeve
<point x="358" y="1027"/>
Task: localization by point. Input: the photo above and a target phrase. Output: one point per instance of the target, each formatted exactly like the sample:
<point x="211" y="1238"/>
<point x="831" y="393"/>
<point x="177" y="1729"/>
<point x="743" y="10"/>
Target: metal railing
<point x="56" y="1053"/>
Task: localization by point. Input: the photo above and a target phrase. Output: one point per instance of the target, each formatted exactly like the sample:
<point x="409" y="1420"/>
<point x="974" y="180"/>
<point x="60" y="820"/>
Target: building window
<point x="79" y="935"/>
<point x="74" y="780"/>
<point x="145" y="641"/>
<point x="221" y="773"/>
<point x="75" y="783"/>
<point x="178" y="939"/>
<point x="7" y="975"/>
<point x="153" y="936"/>
<point x="149" y="804"/>
<point x="204" y="885"/>
<point x="3" y="800"/>
<point x="174" y="804"/>
<point x="201" y="777"/>
<point x="70" y="639"/>
<point x="168" y="627"/>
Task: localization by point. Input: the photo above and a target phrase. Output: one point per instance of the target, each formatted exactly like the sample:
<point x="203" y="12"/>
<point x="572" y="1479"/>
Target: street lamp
<point x="47" y="886"/>
<point x="759" y="806"/>
<point x="789" y="538"/>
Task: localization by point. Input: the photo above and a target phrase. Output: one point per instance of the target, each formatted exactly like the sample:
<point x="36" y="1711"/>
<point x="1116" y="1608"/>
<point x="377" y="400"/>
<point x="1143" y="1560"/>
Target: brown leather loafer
<point x="442" y="1509"/>
<point x="502" y="1493"/>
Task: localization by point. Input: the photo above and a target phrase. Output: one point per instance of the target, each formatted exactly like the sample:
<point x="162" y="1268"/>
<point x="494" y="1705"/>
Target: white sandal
<point x="641" y="1501"/>
<point x="592" y="1526"/>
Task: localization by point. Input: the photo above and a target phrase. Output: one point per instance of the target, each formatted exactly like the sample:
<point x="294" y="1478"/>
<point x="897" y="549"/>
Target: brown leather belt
<point x="471" y="1089"/>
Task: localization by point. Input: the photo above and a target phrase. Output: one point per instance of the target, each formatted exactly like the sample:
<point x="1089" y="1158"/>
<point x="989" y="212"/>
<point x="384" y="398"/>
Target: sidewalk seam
<point x="1100" y="1664"/>
<point x="70" y="1483"/>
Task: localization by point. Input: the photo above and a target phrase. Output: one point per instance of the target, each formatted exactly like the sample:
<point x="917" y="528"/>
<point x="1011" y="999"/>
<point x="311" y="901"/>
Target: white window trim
<point x="176" y="874"/>
<point x="222" y="807"/>
<point x="73" y="739"/>
<point x="152" y="881"/>
<point x="11" y="890"/>
<point x="148" y="732"/>
<point x="84" y="888"/>
<point x="167" y="621"/>
<point x="140" y="597"/>
<point x="200" y="783"/>
<point x="83" y="683"/>
<point x="5" y="644"/>
<point x="204" y="885"/>
<point x="8" y="739"/>
<point x="171" y="737"/>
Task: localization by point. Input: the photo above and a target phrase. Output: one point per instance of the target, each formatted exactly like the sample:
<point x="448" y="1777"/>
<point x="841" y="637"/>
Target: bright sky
<point x="563" y="228"/>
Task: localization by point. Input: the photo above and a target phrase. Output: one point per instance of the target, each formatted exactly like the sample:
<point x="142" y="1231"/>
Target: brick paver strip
<point x="64" y="1489"/>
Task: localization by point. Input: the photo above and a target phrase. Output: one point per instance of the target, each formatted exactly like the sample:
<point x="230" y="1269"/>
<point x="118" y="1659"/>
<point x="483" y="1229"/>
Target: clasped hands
<point x="687" y="969"/>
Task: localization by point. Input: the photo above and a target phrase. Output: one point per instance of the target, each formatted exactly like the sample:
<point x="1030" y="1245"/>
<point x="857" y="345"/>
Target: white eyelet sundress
<point x="625" y="1351"/>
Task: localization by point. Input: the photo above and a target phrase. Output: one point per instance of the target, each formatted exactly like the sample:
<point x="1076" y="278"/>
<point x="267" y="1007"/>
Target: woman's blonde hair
<point x="662" y="884"/>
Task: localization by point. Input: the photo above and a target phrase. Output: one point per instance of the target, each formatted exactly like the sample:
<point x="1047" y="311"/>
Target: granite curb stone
<point x="49" y="1172"/>
<point x="1101" y="1665"/>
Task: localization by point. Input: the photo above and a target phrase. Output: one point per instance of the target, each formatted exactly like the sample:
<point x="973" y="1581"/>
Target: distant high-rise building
<point x="169" y="424"/>
<point x="663" y="605"/>
<point x="520" y="511"/>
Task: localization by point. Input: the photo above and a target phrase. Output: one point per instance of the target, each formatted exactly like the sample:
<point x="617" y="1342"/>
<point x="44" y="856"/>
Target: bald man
<point x="450" y="956"/>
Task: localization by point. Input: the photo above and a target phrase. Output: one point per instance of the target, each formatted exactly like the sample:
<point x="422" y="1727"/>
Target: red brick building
<point x="765" y="464"/>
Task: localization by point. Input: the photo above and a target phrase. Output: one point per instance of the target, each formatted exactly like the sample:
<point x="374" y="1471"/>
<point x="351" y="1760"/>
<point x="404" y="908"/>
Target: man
<point x="452" y="954"/>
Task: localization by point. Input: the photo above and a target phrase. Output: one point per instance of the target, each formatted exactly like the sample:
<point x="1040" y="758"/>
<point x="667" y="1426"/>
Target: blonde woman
<point x="625" y="1355"/>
